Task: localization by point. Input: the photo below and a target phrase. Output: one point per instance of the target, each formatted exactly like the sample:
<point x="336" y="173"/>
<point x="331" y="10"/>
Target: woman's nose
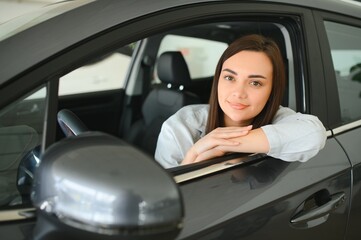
<point x="240" y="92"/>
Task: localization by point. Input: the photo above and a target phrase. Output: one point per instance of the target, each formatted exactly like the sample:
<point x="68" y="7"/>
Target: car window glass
<point x="106" y="73"/>
<point x="201" y="55"/>
<point x="21" y="129"/>
<point x="345" y="43"/>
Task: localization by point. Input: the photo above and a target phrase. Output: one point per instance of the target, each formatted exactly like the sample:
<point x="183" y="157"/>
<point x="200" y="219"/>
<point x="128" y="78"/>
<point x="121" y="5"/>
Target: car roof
<point x="76" y="20"/>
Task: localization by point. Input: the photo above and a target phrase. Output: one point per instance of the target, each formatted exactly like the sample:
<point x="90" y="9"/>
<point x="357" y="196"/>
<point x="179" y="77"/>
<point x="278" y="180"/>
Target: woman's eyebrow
<point x="250" y="76"/>
<point x="230" y="71"/>
<point x="256" y="76"/>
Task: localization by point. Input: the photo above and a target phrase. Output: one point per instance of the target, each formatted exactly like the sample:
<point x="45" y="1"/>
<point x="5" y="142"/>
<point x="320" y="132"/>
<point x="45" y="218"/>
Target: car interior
<point x="173" y="74"/>
<point x="162" y="101"/>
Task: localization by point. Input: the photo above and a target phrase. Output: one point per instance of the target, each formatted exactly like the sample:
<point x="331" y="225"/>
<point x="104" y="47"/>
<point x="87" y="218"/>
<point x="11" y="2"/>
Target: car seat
<point x="162" y="101"/>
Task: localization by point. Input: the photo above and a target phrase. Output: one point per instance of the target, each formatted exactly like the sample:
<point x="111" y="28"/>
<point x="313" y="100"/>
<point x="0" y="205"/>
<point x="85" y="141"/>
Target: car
<point x="86" y="85"/>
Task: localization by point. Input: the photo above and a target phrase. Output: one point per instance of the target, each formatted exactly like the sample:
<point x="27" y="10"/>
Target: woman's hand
<point x="220" y="142"/>
<point x="209" y="146"/>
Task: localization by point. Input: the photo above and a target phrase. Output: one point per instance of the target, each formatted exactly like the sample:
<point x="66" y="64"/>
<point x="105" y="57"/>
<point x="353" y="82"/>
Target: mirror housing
<point x="95" y="186"/>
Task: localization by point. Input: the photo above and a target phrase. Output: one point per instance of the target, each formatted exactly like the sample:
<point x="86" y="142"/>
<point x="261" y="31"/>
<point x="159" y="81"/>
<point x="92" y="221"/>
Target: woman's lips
<point x="237" y="106"/>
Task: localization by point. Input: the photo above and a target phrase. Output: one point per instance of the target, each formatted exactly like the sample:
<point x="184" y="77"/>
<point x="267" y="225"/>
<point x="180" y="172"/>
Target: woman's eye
<point x="229" y="78"/>
<point x="256" y="83"/>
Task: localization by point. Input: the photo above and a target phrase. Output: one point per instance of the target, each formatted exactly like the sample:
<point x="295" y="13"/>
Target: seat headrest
<point x="173" y="69"/>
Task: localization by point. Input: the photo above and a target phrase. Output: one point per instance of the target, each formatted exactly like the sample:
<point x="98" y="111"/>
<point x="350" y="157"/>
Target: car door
<point x="342" y="50"/>
<point x="260" y="200"/>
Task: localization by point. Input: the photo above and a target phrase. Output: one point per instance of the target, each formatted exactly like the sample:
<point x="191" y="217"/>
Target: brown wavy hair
<point x="257" y="43"/>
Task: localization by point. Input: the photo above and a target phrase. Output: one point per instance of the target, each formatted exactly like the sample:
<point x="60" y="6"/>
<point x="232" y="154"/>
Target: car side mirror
<point x="95" y="186"/>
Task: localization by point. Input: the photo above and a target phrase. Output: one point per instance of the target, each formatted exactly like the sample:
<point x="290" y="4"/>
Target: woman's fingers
<point x="220" y="136"/>
<point x="230" y="132"/>
<point x="190" y="157"/>
<point x="227" y="148"/>
<point x="215" y="144"/>
<point x="211" y="153"/>
<point x="210" y="142"/>
<point x="206" y="149"/>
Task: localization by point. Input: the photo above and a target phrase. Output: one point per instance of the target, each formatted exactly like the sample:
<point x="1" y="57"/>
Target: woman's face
<point x="244" y="86"/>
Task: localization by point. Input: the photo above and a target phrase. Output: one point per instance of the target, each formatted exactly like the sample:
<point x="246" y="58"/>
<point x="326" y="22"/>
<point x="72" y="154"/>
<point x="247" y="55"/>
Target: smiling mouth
<point x="238" y="106"/>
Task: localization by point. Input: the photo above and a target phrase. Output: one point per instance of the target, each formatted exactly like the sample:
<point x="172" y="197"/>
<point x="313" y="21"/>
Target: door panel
<point x="258" y="201"/>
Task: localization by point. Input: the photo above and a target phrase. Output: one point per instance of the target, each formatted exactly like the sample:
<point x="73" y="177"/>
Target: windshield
<point x="23" y="22"/>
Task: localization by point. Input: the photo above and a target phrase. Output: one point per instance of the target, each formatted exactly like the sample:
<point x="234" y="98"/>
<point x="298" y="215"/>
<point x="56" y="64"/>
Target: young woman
<point x="243" y="114"/>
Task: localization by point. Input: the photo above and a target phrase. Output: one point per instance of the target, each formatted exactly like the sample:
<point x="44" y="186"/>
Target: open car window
<point x="175" y="41"/>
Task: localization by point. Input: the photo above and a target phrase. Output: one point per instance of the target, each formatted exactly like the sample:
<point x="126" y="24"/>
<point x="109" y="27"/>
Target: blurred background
<point x="13" y="8"/>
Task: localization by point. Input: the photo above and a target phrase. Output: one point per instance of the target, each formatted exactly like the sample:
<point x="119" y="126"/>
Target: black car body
<point x="258" y="197"/>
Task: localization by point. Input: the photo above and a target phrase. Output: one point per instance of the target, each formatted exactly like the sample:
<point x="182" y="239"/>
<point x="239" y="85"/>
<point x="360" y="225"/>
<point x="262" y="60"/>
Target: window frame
<point x="332" y="94"/>
<point x="185" y="173"/>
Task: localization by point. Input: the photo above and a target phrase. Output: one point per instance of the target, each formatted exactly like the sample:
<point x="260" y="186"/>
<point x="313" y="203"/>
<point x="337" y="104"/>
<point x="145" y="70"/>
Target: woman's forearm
<point x="254" y="142"/>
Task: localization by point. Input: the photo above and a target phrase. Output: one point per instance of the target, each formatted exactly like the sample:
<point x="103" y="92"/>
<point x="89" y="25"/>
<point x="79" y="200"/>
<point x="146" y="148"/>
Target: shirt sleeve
<point x="177" y="136"/>
<point x="167" y="152"/>
<point x="294" y="136"/>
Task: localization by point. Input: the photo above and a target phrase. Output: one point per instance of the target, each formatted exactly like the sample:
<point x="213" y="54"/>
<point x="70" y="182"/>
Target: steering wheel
<point x="70" y="124"/>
